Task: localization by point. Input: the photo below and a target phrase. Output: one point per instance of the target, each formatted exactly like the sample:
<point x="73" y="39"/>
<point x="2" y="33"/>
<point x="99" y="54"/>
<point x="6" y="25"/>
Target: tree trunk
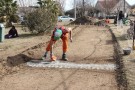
<point x="8" y="22"/>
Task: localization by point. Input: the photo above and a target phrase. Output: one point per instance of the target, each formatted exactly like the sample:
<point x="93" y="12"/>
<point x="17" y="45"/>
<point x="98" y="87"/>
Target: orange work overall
<point x="64" y="40"/>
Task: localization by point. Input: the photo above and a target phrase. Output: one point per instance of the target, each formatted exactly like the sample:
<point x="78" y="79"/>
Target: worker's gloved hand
<point x="71" y="40"/>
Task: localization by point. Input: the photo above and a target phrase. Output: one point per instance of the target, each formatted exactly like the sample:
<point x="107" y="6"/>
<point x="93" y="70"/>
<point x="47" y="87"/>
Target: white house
<point x="112" y="6"/>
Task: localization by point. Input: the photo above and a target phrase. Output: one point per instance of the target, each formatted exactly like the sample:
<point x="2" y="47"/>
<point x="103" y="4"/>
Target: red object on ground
<point x="107" y="21"/>
<point x="53" y="58"/>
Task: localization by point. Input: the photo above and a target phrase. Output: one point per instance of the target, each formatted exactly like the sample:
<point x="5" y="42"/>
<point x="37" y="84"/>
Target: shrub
<point x="2" y="19"/>
<point x="43" y="18"/>
<point x="40" y="21"/>
<point x="14" y="18"/>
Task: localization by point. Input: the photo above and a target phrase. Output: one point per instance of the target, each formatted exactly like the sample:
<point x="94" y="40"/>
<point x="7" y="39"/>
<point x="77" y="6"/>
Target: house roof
<point x="107" y="3"/>
<point x="133" y="6"/>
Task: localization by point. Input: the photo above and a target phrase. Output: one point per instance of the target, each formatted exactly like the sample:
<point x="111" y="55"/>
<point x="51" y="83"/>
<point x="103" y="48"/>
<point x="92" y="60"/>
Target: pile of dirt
<point x="82" y="20"/>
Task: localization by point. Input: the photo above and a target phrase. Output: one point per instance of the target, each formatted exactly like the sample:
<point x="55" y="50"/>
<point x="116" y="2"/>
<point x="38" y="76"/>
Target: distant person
<point x="126" y="21"/>
<point x="120" y="18"/>
<point x="125" y="15"/>
<point x="12" y="33"/>
<point x="115" y="19"/>
<point x="60" y="32"/>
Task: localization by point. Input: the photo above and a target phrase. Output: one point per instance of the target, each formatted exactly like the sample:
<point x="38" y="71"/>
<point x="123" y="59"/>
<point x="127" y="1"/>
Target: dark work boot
<point x="64" y="57"/>
<point x="44" y="57"/>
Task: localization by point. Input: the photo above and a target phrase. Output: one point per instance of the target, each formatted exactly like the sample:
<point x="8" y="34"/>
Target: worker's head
<point x="121" y="12"/>
<point x="13" y="27"/>
<point x="57" y="34"/>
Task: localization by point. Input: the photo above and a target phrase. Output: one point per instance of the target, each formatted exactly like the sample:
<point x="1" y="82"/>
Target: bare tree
<point x="61" y="5"/>
<point x="84" y="6"/>
<point x="90" y="7"/>
<point x="79" y="8"/>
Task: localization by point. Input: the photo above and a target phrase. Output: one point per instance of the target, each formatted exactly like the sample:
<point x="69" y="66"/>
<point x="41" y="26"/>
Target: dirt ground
<point x="91" y="44"/>
<point x="128" y="60"/>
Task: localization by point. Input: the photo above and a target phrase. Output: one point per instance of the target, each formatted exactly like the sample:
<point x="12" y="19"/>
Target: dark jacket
<point x="13" y="32"/>
<point x="121" y="16"/>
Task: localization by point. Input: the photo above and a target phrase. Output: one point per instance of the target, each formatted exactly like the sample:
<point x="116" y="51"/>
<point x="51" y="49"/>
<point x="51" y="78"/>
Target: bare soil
<point x="91" y="44"/>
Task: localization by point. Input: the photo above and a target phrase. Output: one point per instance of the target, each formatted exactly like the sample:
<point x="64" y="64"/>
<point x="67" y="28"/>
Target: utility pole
<point x="124" y="7"/>
<point x="83" y="4"/>
<point x="106" y="8"/>
<point x="75" y="9"/>
<point x="83" y="7"/>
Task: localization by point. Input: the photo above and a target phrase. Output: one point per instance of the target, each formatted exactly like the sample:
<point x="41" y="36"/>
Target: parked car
<point x="107" y="16"/>
<point x="111" y="16"/>
<point x="65" y="18"/>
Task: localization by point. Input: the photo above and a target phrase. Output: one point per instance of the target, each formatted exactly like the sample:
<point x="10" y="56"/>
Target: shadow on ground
<point x="109" y="42"/>
<point x="26" y="35"/>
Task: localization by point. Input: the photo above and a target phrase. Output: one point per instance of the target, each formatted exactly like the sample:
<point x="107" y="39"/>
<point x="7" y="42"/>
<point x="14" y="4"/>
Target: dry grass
<point x="17" y="45"/>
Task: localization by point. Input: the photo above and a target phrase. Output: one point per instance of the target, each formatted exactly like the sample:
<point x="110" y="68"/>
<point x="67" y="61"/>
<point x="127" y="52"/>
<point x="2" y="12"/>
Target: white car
<point x="65" y="18"/>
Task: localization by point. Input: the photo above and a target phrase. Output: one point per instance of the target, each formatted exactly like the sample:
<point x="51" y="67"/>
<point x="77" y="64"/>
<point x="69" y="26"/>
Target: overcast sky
<point x="69" y="3"/>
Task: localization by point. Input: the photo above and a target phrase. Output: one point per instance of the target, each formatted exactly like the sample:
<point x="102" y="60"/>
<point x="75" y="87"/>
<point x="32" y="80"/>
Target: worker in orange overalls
<point x="59" y="32"/>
